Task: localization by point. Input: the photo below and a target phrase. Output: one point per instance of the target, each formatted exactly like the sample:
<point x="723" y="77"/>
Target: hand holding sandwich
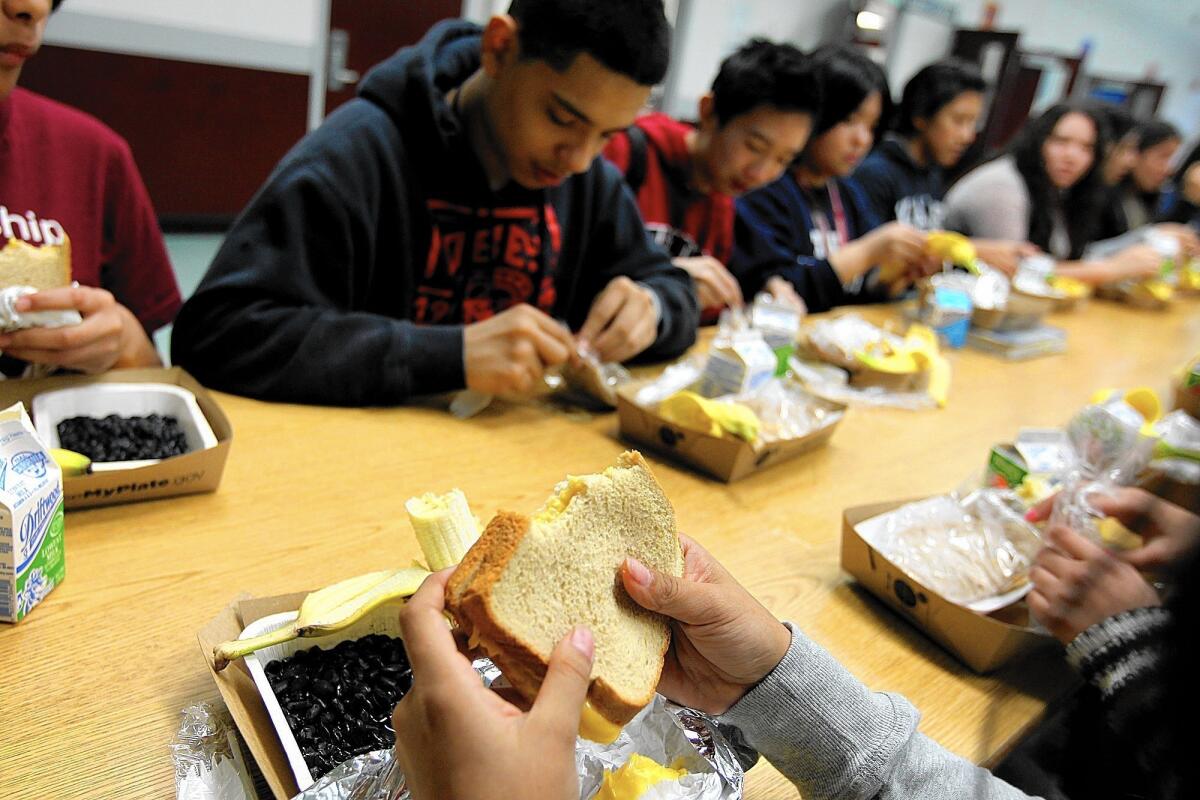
<point x="723" y="641"/>
<point x="457" y="739"/>
<point x="109" y="336"/>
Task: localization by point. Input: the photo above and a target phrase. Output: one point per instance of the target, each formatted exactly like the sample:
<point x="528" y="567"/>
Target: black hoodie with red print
<point x="349" y="277"/>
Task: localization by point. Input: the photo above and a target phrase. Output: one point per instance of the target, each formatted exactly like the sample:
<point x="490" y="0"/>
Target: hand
<point x="1189" y="242"/>
<point x="1134" y="262"/>
<point x="1168" y="531"/>
<point x="1189" y="187"/>
<point x="782" y="290"/>
<point x="109" y="336"/>
<point x="715" y="286"/>
<point x="1004" y="255"/>
<point x="723" y="641"/>
<point x="622" y="322"/>
<point x="1077" y="583"/>
<point x="457" y="739"/>
<point x="509" y="353"/>
<point x="902" y="243"/>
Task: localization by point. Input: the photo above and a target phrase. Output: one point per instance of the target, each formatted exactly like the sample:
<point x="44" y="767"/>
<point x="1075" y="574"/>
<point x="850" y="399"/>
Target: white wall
<point x="281" y="35"/>
<point x="1126" y="37"/>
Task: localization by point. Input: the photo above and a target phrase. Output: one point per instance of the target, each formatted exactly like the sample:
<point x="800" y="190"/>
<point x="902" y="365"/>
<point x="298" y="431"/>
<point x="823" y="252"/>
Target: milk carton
<point x="31" y="517"/>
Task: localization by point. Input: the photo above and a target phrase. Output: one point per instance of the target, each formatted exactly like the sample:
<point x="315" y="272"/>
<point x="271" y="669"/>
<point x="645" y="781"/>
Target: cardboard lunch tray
<point x="724" y="458"/>
<point x="239" y="692"/>
<point x="984" y="642"/>
<point x="190" y="473"/>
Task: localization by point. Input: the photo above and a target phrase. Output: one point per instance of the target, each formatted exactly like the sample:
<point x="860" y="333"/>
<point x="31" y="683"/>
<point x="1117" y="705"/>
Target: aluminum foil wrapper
<point x="833" y="384"/>
<point x="13" y="320"/>
<point x="208" y="761"/>
<point x="662" y="731"/>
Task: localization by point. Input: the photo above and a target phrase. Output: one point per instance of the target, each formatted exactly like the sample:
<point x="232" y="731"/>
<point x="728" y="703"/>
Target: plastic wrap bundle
<point x="1177" y="452"/>
<point x="662" y="731"/>
<point x="975" y="551"/>
<point x="1110" y="450"/>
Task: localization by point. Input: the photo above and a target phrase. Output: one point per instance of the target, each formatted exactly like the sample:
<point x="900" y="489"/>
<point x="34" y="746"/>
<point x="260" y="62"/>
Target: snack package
<point x="779" y="324"/>
<point x="975" y="551"/>
<point x="593" y="382"/>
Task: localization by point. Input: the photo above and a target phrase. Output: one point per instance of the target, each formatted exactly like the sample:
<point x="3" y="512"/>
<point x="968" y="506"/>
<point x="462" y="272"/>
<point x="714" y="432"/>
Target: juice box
<point x="31" y="517"/>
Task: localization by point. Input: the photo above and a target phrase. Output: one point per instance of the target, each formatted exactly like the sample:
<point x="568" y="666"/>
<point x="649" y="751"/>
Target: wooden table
<point x="93" y="681"/>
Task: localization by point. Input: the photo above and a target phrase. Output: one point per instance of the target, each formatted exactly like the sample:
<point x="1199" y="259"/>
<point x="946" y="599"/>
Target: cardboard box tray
<point x="197" y="471"/>
<point x="726" y="458"/>
<point x="984" y="642"/>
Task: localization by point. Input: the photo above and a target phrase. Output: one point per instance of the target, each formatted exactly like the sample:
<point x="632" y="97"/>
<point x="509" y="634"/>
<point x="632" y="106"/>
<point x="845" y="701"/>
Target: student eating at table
<point x="815" y="229"/>
<point x="904" y="177"/>
<point x="451" y="227"/>
<point x="795" y="704"/>
<point x="753" y="123"/>
<point x="65" y="175"/>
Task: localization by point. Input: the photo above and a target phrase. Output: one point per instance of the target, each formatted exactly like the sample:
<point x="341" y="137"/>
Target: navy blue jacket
<point x="900" y="189"/>
<point x="773" y="235"/>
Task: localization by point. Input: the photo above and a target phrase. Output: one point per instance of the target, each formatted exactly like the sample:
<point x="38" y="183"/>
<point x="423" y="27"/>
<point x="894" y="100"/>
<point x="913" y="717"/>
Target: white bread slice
<point x="527" y="582"/>
<point x="45" y="267"/>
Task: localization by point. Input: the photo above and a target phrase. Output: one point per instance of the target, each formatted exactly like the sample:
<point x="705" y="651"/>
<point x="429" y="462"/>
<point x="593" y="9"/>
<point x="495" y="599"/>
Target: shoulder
<point x="66" y="126"/>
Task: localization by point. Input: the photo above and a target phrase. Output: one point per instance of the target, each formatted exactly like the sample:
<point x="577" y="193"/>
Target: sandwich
<point x="45" y="267"/>
<point x="528" y="581"/>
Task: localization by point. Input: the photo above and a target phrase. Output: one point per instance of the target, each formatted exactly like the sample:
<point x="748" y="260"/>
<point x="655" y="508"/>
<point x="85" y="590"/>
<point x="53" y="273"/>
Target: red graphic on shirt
<point x="484" y="260"/>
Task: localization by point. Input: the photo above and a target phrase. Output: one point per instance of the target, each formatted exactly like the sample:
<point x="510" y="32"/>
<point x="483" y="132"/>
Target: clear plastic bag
<point x="975" y="551"/>
<point x="1110" y="451"/>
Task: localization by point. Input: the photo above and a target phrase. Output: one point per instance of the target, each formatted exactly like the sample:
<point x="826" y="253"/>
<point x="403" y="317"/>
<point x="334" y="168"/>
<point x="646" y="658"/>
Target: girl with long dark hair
<point x="1048" y="190"/>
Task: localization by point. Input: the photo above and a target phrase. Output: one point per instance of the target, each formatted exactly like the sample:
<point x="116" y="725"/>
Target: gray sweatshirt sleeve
<point x="834" y="738"/>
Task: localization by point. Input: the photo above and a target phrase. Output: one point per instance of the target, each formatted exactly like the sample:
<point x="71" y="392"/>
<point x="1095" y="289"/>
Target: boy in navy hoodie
<point x="450" y="226"/>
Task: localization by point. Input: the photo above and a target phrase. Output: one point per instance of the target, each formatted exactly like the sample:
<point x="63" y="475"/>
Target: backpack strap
<point x="635" y="175"/>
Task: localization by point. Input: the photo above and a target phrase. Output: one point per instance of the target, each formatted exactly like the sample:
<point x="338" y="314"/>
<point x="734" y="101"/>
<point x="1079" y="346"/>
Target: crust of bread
<point x="469" y="596"/>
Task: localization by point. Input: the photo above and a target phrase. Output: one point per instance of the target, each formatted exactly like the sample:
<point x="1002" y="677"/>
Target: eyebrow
<point x="575" y="112"/>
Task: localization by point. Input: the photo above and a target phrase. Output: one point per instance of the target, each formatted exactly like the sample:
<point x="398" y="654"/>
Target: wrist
<point x="136" y="350"/>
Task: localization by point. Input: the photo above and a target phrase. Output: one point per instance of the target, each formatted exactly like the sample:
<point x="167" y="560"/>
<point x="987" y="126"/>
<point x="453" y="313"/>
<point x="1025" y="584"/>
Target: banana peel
<point x="1069" y="287"/>
<point x="328" y="610"/>
<point x="953" y="247"/>
<point x="919" y="352"/>
<point x="713" y="417"/>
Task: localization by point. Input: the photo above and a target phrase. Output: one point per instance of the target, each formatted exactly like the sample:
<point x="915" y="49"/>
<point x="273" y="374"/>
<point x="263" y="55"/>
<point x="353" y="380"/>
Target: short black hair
<point x="1120" y="122"/>
<point x="932" y="88"/>
<point x="1080" y="203"/>
<point x="765" y="73"/>
<point x="54" y="6"/>
<point x="1154" y="131"/>
<point x="630" y="37"/>
<point x="847" y="78"/>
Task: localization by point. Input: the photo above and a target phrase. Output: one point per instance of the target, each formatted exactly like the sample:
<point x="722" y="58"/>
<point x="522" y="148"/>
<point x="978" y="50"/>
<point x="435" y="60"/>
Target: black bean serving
<point x="339" y="702"/>
<point x="116" y="438"/>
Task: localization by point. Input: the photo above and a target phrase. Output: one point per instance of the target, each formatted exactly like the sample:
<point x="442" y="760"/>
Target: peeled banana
<point x="444" y="525"/>
<point x="328" y="610"/>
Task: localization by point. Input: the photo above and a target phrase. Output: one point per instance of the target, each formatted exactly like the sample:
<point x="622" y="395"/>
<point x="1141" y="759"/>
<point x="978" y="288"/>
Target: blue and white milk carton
<point x="31" y="517"/>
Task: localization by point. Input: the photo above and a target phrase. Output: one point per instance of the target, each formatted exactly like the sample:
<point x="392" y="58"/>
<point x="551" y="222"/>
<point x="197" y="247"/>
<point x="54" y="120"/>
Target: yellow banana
<point x="953" y="247"/>
<point x="714" y="417"/>
<point x="444" y="525"/>
<point x="71" y="463"/>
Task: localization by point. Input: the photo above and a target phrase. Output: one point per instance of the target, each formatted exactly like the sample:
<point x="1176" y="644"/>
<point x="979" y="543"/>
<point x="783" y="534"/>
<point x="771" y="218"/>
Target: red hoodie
<point x="62" y="171"/>
<point x="666" y="196"/>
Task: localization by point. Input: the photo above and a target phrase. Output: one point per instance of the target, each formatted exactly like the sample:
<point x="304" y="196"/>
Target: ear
<point x="499" y="46"/>
<point x="708" y="113"/>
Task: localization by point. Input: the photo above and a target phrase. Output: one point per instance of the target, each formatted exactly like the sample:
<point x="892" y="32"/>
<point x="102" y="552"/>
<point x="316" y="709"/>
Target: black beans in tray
<point x="116" y="438"/>
<point x="339" y="702"/>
